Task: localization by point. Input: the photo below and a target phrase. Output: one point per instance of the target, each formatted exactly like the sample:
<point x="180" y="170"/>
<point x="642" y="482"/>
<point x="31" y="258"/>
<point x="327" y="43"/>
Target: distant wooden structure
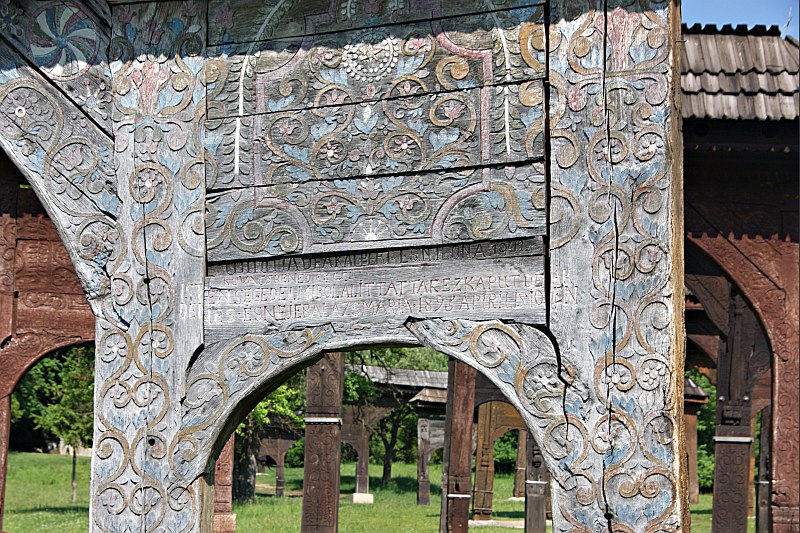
<point x="741" y="102"/>
<point x="42" y="305"/>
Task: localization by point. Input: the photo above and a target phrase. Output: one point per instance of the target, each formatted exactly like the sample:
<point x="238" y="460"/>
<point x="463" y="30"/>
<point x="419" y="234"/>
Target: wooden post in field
<point x="457" y="460"/>
<point x="321" y="473"/>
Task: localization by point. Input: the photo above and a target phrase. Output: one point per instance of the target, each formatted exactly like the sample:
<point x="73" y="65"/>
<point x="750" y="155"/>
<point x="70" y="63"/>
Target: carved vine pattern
<point x="372" y="134"/>
<point x="612" y="204"/>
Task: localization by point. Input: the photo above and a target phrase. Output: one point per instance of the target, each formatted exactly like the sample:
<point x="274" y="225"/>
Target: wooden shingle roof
<point x="739" y="73"/>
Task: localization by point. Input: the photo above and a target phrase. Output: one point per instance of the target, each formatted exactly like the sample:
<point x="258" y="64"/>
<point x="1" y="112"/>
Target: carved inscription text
<point x="480" y="280"/>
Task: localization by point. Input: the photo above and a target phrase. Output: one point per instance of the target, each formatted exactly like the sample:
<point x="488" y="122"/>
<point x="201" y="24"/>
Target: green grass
<point x="395" y="508"/>
<point x="39" y="494"/>
<point x="38" y="500"/>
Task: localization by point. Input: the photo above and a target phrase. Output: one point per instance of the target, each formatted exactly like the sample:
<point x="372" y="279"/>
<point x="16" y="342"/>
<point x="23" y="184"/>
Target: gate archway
<point x="244" y="134"/>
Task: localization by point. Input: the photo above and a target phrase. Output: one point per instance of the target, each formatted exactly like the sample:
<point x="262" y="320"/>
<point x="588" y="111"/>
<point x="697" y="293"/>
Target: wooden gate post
<point x="535" y="489"/>
<point x="484" y="464"/>
<point x="457" y="459"/>
<point x="521" y="465"/>
<point x="321" y="472"/>
<point x="733" y="436"/>
<point x="224" y="518"/>
<point x="423" y="461"/>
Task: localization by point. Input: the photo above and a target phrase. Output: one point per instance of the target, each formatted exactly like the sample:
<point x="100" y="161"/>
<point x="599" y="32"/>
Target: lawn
<point x="38" y="500"/>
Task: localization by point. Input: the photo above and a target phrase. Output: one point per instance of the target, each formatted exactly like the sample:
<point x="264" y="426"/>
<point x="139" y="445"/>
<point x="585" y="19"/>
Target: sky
<point x="750" y="12"/>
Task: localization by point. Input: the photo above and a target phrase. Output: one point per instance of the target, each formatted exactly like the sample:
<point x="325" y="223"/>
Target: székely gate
<point x="245" y="185"/>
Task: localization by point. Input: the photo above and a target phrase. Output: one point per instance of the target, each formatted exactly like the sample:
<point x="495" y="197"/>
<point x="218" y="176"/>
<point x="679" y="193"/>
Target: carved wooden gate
<point x="244" y="185"/>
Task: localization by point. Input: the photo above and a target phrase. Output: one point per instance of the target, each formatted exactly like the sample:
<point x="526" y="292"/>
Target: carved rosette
<point x="613" y="215"/>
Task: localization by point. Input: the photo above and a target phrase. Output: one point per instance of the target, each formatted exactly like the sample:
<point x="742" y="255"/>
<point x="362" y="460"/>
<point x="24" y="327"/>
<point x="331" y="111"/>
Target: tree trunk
<point x="74" y="480"/>
<point x="388" y="458"/>
<point x="244" y="477"/>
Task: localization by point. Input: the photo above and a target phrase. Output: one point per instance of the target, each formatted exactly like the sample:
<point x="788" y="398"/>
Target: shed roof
<point x="739" y="73"/>
<point x="403" y="377"/>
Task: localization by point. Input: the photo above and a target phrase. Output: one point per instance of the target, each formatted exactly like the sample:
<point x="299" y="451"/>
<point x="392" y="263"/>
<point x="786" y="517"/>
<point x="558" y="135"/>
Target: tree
<point x="706" y="428"/>
<point x="396" y="431"/>
<point x="282" y="406"/>
<point x="70" y="415"/>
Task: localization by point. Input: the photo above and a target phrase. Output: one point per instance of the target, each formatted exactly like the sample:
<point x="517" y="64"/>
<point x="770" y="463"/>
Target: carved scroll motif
<point x="144" y="349"/>
<point x="613" y="215"/>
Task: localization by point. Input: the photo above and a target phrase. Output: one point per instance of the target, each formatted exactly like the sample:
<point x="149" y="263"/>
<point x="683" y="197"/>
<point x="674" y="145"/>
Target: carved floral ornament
<point x="250" y="135"/>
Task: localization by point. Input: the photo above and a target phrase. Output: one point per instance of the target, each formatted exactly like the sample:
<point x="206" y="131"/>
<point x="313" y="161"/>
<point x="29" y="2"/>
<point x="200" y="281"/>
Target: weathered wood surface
<point x="410" y="134"/>
<point x="66" y="158"/>
<point x="321" y="472"/>
<point x="479" y="204"/>
<point x="377" y="63"/>
<point x="134" y="229"/>
<point x="67" y="42"/>
<point x="457" y="457"/>
<point x="282" y="18"/>
<point x="377" y="291"/>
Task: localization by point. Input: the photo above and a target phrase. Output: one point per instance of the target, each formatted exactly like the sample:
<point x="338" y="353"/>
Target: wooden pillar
<point x="764" y="461"/>
<point x="276" y="448"/>
<point x="690" y="409"/>
<point x="280" y="475"/>
<point x="324" y="388"/>
<point x="423" y="461"/>
<point x="224" y="518"/>
<point x="5" y="433"/>
<point x="482" y="492"/>
<point x="733" y="438"/>
<point x="521" y="467"/>
<point x="751" y="478"/>
<point x="535" y="489"/>
<point x="457" y="459"/>
<point x="362" y="464"/>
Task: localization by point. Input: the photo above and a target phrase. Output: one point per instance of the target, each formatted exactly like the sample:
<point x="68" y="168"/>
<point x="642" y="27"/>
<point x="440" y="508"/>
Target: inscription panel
<point x="479" y="280"/>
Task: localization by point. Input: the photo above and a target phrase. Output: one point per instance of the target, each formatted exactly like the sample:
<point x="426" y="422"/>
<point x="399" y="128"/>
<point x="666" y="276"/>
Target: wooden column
<point x="763" y="483"/>
<point x="482" y="492"/>
<point x="224" y="518"/>
<point x="5" y="433"/>
<point x="535" y="489"/>
<point x="423" y="461"/>
<point x="521" y="467"/>
<point x="321" y="475"/>
<point x="277" y="448"/>
<point x="457" y="460"/>
<point x="690" y="409"/>
<point x="733" y="438"/>
<point x="362" y="464"/>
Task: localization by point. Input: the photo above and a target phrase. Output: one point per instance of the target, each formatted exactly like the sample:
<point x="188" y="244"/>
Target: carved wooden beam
<point x="68" y="161"/>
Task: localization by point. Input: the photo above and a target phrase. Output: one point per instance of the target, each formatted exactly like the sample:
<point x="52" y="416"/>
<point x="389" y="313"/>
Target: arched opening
<point x="400" y="378"/>
<point x="723" y="325"/>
